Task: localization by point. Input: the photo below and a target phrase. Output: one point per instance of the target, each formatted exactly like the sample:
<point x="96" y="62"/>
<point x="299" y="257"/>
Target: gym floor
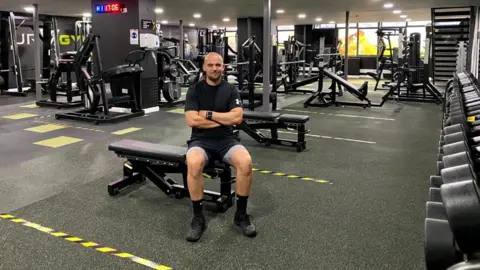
<point x="367" y="213"/>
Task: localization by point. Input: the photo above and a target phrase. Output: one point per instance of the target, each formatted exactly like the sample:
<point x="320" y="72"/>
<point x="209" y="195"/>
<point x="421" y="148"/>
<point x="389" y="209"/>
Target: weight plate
<point x="439" y="167"/>
<point x="436" y="181"/>
<point x="453" y="128"/>
<point x="171" y="91"/>
<point x="462" y="204"/>
<point x="440" y="251"/>
<point x="435" y="195"/>
<point x="435" y="210"/>
<point x="456" y="159"/>
<point x="453" y="148"/>
<point x="455" y="137"/>
<point x="457" y="174"/>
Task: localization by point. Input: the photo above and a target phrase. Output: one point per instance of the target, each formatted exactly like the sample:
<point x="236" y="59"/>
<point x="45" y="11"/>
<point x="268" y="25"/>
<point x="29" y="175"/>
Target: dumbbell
<point x="462" y="206"/>
<point x="439" y="245"/>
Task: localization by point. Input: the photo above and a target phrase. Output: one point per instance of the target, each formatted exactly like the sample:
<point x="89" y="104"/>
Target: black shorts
<point x="216" y="149"/>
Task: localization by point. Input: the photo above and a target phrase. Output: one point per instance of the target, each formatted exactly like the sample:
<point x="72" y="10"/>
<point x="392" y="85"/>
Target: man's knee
<point x="241" y="160"/>
<point x="196" y="160"/>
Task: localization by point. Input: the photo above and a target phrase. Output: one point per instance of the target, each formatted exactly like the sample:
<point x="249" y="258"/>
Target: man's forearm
<point x="228" y="118"/>
<point x="202" y="123"/>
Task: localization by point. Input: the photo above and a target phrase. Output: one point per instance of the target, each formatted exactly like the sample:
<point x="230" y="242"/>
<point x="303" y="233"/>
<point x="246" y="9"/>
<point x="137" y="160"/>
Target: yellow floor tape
<point x="84" y="243"/>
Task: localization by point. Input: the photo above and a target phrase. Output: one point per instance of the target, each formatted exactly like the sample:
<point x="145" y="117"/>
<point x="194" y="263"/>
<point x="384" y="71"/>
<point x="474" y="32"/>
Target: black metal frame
<point x="337" y="81"/>
<point x="137" y="169"/>
<point x="96" y="113"/>
<point x="253" y="127"/>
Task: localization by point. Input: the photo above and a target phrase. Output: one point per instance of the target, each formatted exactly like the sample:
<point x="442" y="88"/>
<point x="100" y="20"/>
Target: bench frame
<point x="137" y="169"/>
<point x="252" y="128"/>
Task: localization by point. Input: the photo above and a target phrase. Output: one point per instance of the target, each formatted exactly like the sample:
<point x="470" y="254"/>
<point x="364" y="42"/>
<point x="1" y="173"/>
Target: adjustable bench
<point x="154" y="161"/>
<point x="254" y="121"/>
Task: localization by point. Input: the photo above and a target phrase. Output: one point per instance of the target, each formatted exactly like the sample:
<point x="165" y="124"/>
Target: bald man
<point x="212" y="107"/>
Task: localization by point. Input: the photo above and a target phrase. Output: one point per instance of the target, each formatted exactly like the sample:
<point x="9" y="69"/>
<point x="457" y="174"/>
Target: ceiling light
<point x="29" y="9"/>
<point x="408" y="19"/>
<point x="403" y="16"/>
<point x="191" y="24"/>
<point x="318" y="19"/>
<point x="388" y="5"/>
<point x="280" y="11"/>
<point x="226" y="19"/>
<point x="164" y="22"/>
<point x="197" y="15"/>
<point x="88" y="15"/>
<point x="302" y="16"/>
<point x="214" y="26"/>
<point x="159" y="10"/>
<point x="331" y="22"/>
<point x="397" y="11"/>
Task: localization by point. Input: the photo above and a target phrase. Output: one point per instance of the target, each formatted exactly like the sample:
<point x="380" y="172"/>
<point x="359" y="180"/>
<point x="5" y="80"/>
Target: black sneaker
<point x="243" y="223"/>
<point x="197" y="228"/>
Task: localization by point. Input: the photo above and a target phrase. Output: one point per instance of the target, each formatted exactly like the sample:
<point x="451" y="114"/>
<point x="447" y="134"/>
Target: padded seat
<point x="149" y="150"/>
<point x="252" y="115"/>
<point x="121" y="70"/>
<point x="294" y="118"/>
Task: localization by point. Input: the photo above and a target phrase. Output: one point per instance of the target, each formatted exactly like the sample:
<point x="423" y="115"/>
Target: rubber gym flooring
<point x="366" y="212"/>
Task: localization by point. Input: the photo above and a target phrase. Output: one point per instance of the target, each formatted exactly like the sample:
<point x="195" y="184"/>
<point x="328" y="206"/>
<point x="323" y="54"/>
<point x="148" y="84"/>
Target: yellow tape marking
<point x="125" y="131"/>
<point x="89" y="244"/>
<point x="74" y="239"/>
<point x="59" y="234"/>
<point x="124" y="255"/>
<point x="106" y="249"/>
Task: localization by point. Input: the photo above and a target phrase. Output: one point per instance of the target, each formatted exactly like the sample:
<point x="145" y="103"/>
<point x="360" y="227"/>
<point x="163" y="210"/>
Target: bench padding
<point x="149" y="150"/>
<point x="293" y="118"/>
<point x="252" y="115"/>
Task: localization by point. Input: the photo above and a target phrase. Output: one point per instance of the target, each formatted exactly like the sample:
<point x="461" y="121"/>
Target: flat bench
<point x="154" y="161"/>
<point x="254" y="121"/>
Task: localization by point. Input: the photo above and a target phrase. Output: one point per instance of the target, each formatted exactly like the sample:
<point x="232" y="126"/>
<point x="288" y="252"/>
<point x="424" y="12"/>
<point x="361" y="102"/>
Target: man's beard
<point x="215" y="77"/>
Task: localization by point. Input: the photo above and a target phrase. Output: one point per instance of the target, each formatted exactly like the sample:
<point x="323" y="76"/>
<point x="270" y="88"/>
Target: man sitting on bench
<point x="212" y="107"/>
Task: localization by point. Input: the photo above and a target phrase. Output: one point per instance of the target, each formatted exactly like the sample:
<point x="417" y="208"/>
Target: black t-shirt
<point x="219" y="98"/>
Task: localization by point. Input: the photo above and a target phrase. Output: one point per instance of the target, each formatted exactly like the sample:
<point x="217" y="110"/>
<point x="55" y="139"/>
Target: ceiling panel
<point x="214" y="10"/>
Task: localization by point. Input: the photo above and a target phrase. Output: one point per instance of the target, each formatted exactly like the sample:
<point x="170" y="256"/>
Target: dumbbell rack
<point x="452" y="223"/>
<point x="449" y="26"/>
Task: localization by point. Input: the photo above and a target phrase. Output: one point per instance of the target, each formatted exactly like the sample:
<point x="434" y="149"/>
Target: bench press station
<point x="155" y="161"/>
<point x="254" y="121"/>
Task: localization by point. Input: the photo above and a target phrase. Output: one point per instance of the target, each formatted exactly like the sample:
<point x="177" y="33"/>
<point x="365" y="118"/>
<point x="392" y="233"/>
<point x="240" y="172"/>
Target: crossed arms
<point x="198" y="119"/>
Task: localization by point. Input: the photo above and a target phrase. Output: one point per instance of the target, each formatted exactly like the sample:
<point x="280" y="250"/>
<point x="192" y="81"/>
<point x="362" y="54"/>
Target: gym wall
<point x="26" y="49"/>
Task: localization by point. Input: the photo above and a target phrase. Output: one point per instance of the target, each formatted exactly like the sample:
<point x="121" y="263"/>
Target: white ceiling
<point x="213" y="11"/>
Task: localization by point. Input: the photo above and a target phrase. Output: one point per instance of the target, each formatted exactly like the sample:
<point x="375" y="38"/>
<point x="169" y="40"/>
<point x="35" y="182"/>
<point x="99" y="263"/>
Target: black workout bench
<point x="254" y="121"/>
<point x="155" y="161"/>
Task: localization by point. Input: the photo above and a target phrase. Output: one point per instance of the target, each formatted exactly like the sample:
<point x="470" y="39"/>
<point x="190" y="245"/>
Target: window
<point x="283" y="36"/>
<point x="419" y="23"/>
<point x="368" y="25"/>
<point x="393" y="24"/>
<point x="232" y="39"/>
<point x="352" y="41"/>
<point x="367" y="42"/>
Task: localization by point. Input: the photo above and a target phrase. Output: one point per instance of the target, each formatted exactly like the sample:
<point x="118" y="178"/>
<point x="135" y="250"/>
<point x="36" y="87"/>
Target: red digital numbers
<point x="112" y="8"/>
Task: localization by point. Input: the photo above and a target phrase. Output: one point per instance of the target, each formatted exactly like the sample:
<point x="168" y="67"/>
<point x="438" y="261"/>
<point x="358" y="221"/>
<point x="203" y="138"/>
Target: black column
<point x="256" y="29"/>
<point x="114" y="30"/>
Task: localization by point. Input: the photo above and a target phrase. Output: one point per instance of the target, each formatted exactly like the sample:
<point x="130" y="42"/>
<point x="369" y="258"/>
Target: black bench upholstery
<point x="253" y="122"/>
<point x="154" y="161"/>
<point x="267" y="116"/>
<point x="294" y="118"/>
<point x="149" y="150"/>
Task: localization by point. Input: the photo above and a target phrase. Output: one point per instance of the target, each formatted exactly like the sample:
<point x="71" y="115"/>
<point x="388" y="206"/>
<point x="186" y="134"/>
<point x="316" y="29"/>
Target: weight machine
<point x="105" y="88"/>
<point x="408" y="77"/>
<point x="8" y="34"/>
<point x="386" y="61"/>
<point x="60" y="82"/>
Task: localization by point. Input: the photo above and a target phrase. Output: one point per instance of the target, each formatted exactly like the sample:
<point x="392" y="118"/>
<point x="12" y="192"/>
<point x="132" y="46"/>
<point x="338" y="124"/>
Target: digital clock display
<point x="109" y="8"/>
